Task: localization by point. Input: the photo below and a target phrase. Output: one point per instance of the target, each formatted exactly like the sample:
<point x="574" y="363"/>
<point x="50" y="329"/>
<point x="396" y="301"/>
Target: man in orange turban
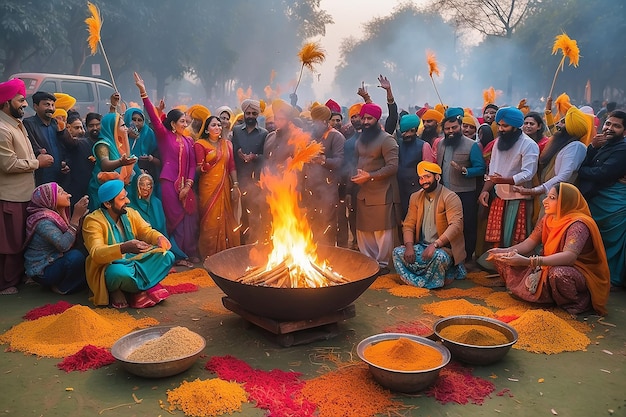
<point x="434" y="248"/>
<point x="431" y="119"/>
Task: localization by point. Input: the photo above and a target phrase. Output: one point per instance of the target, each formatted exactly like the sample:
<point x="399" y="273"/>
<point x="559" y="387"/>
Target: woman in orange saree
<point x="572" y="270"/>
<point x="218" y="190"/>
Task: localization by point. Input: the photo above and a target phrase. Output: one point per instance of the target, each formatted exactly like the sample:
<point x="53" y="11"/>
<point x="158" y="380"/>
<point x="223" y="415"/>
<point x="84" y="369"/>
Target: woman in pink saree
<point x="178" y="167"/>
<point x="218" y="190"/>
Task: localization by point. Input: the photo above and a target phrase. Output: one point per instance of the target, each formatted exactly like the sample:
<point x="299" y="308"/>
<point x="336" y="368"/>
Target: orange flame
<point x="292" y="238"/>
<point x="94" y="25"/>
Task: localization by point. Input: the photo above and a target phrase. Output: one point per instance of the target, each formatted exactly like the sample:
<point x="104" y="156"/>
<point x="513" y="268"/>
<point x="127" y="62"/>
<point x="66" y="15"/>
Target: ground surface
<point x="576" y="384"/>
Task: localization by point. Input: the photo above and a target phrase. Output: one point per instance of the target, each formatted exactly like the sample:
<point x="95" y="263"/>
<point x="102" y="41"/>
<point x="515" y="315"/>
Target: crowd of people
<point x="111" y="202"/>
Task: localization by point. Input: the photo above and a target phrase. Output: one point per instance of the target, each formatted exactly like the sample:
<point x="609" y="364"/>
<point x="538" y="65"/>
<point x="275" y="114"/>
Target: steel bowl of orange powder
<point x="475" y="340"/>
<point x="158" y="352"/>
<point x="403" y="362"/>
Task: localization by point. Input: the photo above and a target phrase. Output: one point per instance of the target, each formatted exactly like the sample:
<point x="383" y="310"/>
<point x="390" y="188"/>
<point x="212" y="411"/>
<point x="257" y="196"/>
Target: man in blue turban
<point x="127" y="257"/>
<point x="513" y="162"/>
<point x="411" y="151"/>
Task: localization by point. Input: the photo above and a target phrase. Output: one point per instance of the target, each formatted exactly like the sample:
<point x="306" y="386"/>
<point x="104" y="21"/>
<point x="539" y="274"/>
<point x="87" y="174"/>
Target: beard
<point x="429" y="134"/>
<point x="508" y="139"/>
<point x="250" y="121"/>
<point x="94" y="134"/>
<point x="369" y="133"/>
<point x="453" y="140"/>
<point x="357" y="125"/>
<point x="409" y="138"/>
<point x="17" y="112"/>
<point x="430" y="187"/>
<point x="119" y="211"/>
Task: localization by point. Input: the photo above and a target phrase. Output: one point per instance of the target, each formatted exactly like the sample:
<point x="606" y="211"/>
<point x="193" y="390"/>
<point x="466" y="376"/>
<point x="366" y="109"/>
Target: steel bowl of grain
<point x="475" y="340"/>
<point x="158" y="352"/>
<point x="403" y="362"/>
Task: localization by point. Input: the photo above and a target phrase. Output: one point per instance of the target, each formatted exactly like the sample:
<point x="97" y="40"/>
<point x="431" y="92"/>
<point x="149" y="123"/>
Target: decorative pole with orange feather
<point x="94" y="25"/>
<point x="433" y="68"/>
<point x="570" y="50"/>
<point x="310" y="54"/>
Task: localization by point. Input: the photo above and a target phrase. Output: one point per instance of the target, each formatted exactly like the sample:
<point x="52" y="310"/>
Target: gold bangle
<point x="143" y="95"/>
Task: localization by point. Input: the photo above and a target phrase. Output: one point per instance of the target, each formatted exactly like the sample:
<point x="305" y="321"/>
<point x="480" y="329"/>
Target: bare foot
<point x="118" y="299"/>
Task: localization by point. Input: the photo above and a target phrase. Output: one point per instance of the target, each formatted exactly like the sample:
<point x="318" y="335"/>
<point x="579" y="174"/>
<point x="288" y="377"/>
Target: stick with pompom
<point x="570" y="50"/>
<point x="94" y="25"/>
<point x="433" y="68"/>
<point x="310" y="54"/>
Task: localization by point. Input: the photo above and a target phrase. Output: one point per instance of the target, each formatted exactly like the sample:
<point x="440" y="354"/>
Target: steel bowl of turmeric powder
<point x="403" y="362"/>
<point x="158" y="352"/>
<point x="475" y="340"/>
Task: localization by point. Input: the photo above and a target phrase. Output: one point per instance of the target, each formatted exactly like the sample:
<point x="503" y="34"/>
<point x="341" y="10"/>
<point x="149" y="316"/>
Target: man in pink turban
<point x="378" y="199"/>
<point x="17" y="182"/>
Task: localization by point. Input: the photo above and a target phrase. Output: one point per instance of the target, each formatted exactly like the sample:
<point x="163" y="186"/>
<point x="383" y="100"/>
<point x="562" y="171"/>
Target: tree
<point x="488" y="17"/>
<point x="396" y="47"/>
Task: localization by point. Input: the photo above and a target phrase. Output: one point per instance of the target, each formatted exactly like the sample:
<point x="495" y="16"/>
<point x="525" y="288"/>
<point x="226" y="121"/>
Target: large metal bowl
<point x="473" y="354"/>
<point x="403" y="381"/>
<point x="292" y="303"/>
<point x="127" y="344"/>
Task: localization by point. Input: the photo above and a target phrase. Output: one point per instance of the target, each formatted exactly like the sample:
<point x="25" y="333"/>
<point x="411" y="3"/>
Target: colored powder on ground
<point x="507" y="318"/>
<point x="409" y="291"/>
<point x="205" y="398"/>
<point x="418" y="328"/>
<point x="471" y="334"/>
<point x="456" y="307"/>
<point x="403" y="355"/>
<point x="479" y="293"/>
<point x="177" y="342"/>
<point x="181" y="288"/>
<point x="47" y="310"/>
<point x="89" y="357"/>
<point x="581" y="326"/>
<point x="277" y="391"/>
<point x="457" y="384"/>
<point x="541" y="331"/>
<point x="384" y="282"/>
<point x="502" y="300"/>
<point x="511" y="311"/>
<point x="484" y="279"/>
<point x="65" y="334"/>
<point x="349" y="391"/>
<point x="197" y="276"/>
<point x="215" y="308"/>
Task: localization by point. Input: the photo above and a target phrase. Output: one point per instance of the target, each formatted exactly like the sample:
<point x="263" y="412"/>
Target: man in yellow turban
<point x="198" y="114"/>
<point x="430" y="120"/>
<point x="434" y="248"/>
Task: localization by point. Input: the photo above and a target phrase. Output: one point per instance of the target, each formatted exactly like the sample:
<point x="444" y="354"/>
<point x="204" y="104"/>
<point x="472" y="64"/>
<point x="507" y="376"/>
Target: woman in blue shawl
<point x="112" y="153"/>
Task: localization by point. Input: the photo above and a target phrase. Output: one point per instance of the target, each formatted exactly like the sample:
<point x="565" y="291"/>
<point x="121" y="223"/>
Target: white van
<point x="91" y="94"/>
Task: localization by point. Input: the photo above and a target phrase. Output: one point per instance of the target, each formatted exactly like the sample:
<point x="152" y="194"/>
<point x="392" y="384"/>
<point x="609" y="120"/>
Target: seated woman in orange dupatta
<point x="218" y="190"/>
<point x="572" y="271"/>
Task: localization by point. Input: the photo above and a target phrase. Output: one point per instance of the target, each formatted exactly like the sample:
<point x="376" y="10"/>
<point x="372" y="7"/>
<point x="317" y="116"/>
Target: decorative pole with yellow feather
<point x="433" y="68"/>
<point x="310" y="54"/>
<point x="94" y="25"/>
<point x="570" y="50"/>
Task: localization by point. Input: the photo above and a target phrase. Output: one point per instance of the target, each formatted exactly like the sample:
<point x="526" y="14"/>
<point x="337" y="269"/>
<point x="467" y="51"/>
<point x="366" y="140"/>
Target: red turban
<point x="372" y="109"/>
<point x="333" y="106"/>
<point x="11" y="88"/>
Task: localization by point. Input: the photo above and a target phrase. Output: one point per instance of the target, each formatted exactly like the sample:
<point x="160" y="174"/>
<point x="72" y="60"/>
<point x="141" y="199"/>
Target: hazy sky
<point x="348" y="15"/>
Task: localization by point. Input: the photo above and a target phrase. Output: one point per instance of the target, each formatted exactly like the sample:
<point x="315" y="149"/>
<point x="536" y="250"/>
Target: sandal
<point x="184" y="262"/>
<point x="158" y="293"/>
<point x="119" y="304"/>
<point x="9" y="291"/>
<point x="142" y="300"/>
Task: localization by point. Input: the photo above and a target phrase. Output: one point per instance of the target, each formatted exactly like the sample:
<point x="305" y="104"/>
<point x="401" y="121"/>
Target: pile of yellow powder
<point x="64" y="334"/>
<point x="409" y="291"/>
<point x="456" y="307"/>
<point x="479" y="293"/>
<point x="211" y="397"/>
<point x="197" y="276"/>
<point x="541" y="331"/>
<point x="386" y="281"/>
